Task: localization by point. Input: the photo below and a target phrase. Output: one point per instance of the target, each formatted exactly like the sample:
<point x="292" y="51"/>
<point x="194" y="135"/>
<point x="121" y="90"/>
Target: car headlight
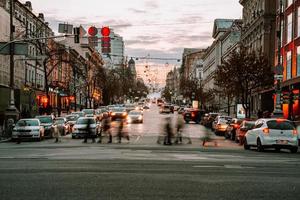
<point x="124" y="114"/>
<point x="113" y="114"/>
<point x="140" y="117"/>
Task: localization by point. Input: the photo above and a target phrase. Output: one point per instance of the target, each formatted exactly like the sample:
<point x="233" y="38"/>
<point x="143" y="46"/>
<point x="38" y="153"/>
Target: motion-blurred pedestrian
<point x="56" y="132"/>
<point x="88" y="132"/>
<point x="106" y="129"/>
<point x="168" y="132"/>
<point x="179" y="129"/>
<point x="208" y="137"/>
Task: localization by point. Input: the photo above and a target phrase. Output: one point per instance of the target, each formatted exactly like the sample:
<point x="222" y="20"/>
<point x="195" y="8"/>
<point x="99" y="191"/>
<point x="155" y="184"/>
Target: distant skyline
<point x="161" y="28"/>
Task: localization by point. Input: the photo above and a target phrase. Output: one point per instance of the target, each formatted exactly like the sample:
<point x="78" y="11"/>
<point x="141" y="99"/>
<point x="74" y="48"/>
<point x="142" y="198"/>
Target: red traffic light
<point x="105" y="31"/>
<point x="93" y="31"/>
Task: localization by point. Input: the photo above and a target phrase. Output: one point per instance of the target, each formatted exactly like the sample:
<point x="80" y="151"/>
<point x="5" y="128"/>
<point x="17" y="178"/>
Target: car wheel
<point x="260" y="147"/>
<point x="246" y="146"/>
<point x="226" y="135"/>
<point x="187" y="121"/>
<point x="73" y="137"/>
<point x="294" y="149"/>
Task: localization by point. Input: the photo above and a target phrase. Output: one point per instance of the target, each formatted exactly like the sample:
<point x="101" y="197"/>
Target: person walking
<point x="106" y="129"/>
<point x="120" y="130"/>
<point x="56" y="132"/>
<point x="88" y="132"/>
<point x="179" y="129"/>
<point x="168" y="132"/>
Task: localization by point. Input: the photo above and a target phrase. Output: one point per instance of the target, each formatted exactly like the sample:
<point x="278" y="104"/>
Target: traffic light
<point x="105" y="40"/>
<point x="76" y="35"/>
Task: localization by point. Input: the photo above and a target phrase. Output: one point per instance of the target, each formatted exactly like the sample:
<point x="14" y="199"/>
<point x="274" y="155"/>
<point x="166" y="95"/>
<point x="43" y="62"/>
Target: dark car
<point x="242" y="130"/>
<point x="192" y="115"/>
<point x="233" y="125"/>
<point x="47" y="122"/>
<point x="118" y="113"/>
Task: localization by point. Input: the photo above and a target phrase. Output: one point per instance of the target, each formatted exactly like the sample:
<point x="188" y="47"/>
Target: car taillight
<point x="295" y="132"/>
<point x="266" y="131"/>
<point x="235" y="125"/>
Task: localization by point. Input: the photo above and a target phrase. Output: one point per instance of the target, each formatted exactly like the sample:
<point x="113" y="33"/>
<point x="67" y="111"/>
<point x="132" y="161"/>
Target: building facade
<point x="29" y="77"/>
<point x="290" y="53"/>
<point x="259" y="34"/>
<point x="211" y="60"/>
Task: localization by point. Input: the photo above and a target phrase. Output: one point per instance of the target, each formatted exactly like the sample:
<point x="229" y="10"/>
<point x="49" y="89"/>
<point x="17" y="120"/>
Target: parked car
<point x="135" y="116"/>
<point x="192" y="115"/>
<point x="80" y="114"/>
<point x="80" y="127"/>
<point x="88" y="112"/>
<point x="272" y="133"/>
<point x="225" y="119"/>
<point x="71" y="120"/>
<point x="242" y="130"/>
<point x="62" y="125"/>
<point x="29" y="129"/>
<point x="230" y="132"/>
<point x="220" y="126"/>
<point x="118" y="113"/>
<point x="208" y="119"/>
<point x="165" y="109"/>
<point x="47" y="122"/>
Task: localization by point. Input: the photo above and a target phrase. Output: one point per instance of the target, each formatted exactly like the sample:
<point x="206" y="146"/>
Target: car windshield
<point x="118" y="110"/>
<point x="45" y="120"/>
<point x="134" y="113"/>
<point x="85" y="121"/>
<point x="22" y="123"/>
<point x="88" y="111"/>
<point x="280" y="125"/>
<point x="78" y="113"/>
<point x="59" y="121"/>
<point x="249" y="125"/>
<point x="71" y="118"/>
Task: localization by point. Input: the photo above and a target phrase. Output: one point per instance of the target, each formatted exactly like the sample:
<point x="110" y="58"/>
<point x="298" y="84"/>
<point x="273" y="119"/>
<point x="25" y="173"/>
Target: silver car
<point x="28" y="128"/>
<point x="135" y="116"/>
<point x="80" y="128"/>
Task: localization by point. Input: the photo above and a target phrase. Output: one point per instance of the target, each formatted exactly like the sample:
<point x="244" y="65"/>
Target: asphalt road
<point x="143" y="169"/>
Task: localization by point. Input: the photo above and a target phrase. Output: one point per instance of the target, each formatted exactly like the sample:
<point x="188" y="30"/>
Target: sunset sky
<point x="160" y="28"/>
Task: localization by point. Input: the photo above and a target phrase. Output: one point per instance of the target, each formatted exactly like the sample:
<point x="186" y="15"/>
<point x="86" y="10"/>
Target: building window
<point x="289" y="2"/>
<point x="289" y="27"/>
<point x="289" y="65"/>
<point x="298" y="61"/>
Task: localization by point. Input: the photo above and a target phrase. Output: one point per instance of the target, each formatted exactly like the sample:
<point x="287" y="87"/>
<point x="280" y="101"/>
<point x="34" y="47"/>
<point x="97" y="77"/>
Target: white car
<point x="272" y="133"/>
<point x="28" y="128"/>
<point x="135" y="116"/>
<point x="80" y="128"/>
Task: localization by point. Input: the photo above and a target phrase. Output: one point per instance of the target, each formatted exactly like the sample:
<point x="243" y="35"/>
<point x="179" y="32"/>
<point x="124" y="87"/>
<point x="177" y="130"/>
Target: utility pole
<point x="278" y="77"/>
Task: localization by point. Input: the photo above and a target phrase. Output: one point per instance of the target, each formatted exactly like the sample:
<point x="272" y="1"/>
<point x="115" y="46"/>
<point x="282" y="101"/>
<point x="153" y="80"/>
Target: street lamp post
<point x="12" y="111"/>
<point x="279" y="68"/>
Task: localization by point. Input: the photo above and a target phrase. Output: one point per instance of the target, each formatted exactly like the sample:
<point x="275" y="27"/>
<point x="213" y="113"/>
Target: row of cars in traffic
<point x="262" y="133"/>
<point x="76" y="123"/>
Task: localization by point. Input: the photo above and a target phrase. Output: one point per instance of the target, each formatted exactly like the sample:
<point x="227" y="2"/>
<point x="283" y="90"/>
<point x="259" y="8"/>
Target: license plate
<point x="282" y="142"/>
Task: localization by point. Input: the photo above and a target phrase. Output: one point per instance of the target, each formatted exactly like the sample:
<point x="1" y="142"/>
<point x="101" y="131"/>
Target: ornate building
<point x="258" y="33"/>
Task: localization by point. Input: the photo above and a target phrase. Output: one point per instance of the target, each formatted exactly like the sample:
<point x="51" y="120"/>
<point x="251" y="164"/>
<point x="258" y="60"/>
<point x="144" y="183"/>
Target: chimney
<point x="41" y="16"/>
<point x="28" y="5"/>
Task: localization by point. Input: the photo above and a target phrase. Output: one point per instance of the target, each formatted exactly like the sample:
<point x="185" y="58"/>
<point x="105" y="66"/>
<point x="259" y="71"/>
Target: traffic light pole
<point x="279" y="68"/>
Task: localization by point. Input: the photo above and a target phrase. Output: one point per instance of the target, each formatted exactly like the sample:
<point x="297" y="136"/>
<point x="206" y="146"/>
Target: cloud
<point x="151" y="5"/>
<point x="137" y="11"/>
<point x="191" y="19"/>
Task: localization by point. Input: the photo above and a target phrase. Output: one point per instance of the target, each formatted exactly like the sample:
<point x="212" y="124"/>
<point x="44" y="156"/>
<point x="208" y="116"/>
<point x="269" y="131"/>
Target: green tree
<point x="242" y="74"/>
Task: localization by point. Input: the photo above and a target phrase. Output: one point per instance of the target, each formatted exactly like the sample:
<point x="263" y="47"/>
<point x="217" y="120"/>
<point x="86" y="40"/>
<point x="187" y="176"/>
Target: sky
<point x="159" y="28"/>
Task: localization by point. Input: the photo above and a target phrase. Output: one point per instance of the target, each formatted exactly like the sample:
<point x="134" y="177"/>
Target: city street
<point x="144" y="169"/>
